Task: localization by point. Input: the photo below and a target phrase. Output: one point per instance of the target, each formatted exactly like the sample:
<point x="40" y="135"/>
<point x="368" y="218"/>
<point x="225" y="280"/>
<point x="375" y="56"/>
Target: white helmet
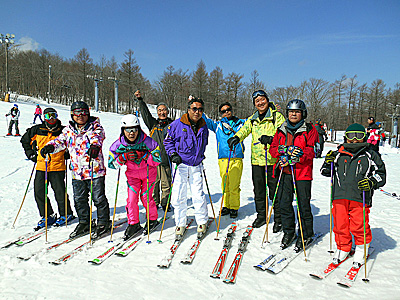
<point x="129" y="121"/>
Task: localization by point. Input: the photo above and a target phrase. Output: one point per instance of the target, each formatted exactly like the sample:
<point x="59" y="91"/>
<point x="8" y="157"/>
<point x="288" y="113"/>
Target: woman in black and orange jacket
<point x="34" y="139"/>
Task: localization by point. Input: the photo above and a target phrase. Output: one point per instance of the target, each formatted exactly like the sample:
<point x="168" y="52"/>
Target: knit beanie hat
<point x="356" y="127"/>
<point x="49" y="110"/>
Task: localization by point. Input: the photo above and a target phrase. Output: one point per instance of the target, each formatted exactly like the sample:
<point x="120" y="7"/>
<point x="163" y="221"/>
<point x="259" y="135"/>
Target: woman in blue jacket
<point x="224" y="129"/>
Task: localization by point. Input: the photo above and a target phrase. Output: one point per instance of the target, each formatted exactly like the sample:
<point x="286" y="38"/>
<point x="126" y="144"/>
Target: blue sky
<point x="285" y="41"/>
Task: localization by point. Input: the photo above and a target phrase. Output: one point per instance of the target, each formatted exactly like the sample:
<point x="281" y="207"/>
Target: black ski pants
<point x="55" y="179"/>
<point x="285" y="195"/>
<point x="81" y="200"/>
<point x="10" y="126"/>
<point x="258" y="176"/>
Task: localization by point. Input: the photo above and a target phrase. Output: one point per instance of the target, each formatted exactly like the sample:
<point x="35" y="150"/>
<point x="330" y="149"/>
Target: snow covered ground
<point x="137" y="275"/>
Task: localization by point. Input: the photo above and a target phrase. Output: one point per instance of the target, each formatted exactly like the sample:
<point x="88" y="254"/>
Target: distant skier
<point x="322" y="137"/>
<point x="37" y="113"/>
<point x="141" y="156"/>
<point x="293" y="144"/>
<point x="357" y="169"/>
<point x="225" y="129"/>
<point x="186" y="143"/>
<point x="84" y="138"/>
<point x="158" y="131"/>
<point x="14" y="113"/>
<point x="33" y="141"/>
<point x="373" y="134"/>
<point x="262" y="125"/>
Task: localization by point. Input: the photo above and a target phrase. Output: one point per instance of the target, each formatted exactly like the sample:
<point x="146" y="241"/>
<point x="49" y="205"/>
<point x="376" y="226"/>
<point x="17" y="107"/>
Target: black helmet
<point x="79" y="105"/>
<point x="297" y="104"/>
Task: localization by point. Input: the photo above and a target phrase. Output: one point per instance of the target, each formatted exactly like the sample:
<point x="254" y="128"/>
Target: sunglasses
<point x="131" y="129"/>
<point x="50" y="115"/>
<point x="225" y="110"/>
<point x="259" y="93"/>
<point x="195" y="109"/>
<point x="80" y="112"/>
<point x="358" y="135"/>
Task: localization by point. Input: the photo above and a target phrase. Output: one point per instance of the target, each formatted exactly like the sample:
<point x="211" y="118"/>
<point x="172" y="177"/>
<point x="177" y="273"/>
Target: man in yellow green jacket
<point x="262" y="125"/>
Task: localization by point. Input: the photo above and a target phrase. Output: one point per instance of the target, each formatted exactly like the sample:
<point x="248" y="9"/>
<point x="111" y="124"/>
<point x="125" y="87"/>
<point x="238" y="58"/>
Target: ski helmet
<point x="129" y="121"/>
<point x="15" y="105"/>
<point x="297" y="104"/>
<point x="37" y="105"/>
<point x="52" y="122"/>
<point x="79" y="105"/>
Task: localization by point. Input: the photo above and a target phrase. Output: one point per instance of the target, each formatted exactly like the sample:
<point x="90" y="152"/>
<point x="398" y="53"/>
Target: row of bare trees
<point x="338" y="104"/>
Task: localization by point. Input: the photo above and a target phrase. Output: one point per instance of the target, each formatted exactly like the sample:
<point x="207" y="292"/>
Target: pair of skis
<point x="278" y="261"/>
<point x="231" y="275"/>
<point x="120" y="247"/>
<point x="348" y="279"/>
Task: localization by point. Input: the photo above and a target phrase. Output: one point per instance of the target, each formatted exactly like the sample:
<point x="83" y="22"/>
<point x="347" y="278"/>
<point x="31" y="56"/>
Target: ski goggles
<point x="225" y="110"/>
<point x="50" y="115"/>
<point x="131" y="129"/>
<point x="80" y="112"/>
<point x="259" y="93"/>
<point x="358" y="135"/>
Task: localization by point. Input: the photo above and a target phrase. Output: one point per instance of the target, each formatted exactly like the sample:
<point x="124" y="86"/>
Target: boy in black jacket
<point x="356" y="170"/>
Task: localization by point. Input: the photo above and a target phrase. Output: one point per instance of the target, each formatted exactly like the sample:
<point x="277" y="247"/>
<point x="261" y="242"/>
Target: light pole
<point x="116" y="91"/>
<point x="48" y="98"/>
<point x="7" y="40"/>
<point x="96" y="90"/>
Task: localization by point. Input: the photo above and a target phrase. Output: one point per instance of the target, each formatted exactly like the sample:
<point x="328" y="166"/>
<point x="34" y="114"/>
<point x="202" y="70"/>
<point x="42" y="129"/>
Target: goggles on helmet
<point x="358" y="135"/>
<point x="80" y="112"/>
<point x="50" y="115"/>
<point x="259" y="93"/>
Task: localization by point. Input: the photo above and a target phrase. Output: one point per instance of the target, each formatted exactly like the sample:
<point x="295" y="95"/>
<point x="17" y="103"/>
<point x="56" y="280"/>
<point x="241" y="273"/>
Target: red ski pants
<point x="348" y="220"/>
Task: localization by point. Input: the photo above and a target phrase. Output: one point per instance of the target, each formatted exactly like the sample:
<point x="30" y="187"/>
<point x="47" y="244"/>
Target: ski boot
<point x="358" y="260"/>
<point x="179" y="231"/>
<point x="132" y="230"/>
<point x="61" y="220"/>
<point x="287" y="240"/>
<point x="339" y="256"/>
<point x="233" y="213"/>
<point x="42" y="223"/>
<point x="101" y="229"/>
<point x="201" y="231"/>
<point x="299" y="243"/>
<point x="152" y="224"/>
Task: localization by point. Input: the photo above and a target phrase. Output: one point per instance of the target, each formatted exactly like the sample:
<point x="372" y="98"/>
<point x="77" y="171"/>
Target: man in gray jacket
<point x="158" y="131"/>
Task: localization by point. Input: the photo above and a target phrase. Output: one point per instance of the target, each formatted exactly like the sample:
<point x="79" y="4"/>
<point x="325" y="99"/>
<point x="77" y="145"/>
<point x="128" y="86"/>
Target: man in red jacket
<point x="293" y="144"/>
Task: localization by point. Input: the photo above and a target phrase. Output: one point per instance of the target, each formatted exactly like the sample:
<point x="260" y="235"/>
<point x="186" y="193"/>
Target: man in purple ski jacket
<point x="186" y="143"/>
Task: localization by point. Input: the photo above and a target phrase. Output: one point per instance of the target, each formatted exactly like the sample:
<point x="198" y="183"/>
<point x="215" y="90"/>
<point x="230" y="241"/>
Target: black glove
<point x="233" y="141"/>
<point x="48" y="149"/>
<point x="66" y="155"/>
<point x="175" y="158"/>
<point x="94" y="151"/>
<point x="366" y="184"/>
<point x="33" y="157"/>
<point x="266" y="140"/>
<point x="330" y="156"/>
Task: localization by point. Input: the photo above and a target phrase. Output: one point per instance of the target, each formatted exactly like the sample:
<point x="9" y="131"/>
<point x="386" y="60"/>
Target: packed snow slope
<point x="137" y="275"/>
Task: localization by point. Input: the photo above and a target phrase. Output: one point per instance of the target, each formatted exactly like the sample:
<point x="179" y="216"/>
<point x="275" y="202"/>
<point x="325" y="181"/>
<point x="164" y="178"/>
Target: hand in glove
<point x="94" y="151"/>
<point x="266" y="140"/>
<point x="330" y="156"/>
<point x="294" y="151"/>
<point x="282" y="149"/>
<point x="366" y="184"/>
<point x="33" y="157"/>
<point x="48" y="149"/>
<point x="134" y="155"/>
<point x="175" y="158"/>
<point x="233" y="141"/>
<point x="285" y="161"/>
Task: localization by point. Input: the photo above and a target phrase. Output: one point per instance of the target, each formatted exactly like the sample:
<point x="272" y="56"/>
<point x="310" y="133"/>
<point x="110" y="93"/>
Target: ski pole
<point x="166" y="208"/>
<point x="148" y="206"/>
<point x="115" y="204"/>
<point x="298" y="213"/>
<point x="66" y="193"/>
<point x="209" y="195"/>
<point x="223" y="193"/>
<point x="45" y="191"/>
<point x="365" y="279"/>
<point x="91" y="201"/>
<point x="272" y="206"/>
<point x="330" y="212"/>
<point x="23" y="199"/>
<point x="266" y="189"/>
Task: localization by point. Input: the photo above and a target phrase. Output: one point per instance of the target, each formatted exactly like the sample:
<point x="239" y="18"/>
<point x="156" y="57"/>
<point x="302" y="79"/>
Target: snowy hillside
<point x="137" y="276"/>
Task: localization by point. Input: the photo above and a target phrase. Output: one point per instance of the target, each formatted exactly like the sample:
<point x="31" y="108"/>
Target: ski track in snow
<point x="137" y="275"/>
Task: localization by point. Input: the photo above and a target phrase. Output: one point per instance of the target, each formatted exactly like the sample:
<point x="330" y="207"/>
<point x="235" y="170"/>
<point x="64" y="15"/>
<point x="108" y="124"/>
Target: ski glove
<point x="134" y="155"/>
<point x="266" y="140"/>
<point x="48" y="149"/>
<point x="294" y="151"/>
<point x="33" y="157"/>
<point x="94" y="151"/>
<point x="366" y="184"/>
<point x="282" y="149"/>
<point x="233" y="141"/>
<point x="175" y="158"/>
<point x="330" y="156"/>
<point x="285" y="161"/>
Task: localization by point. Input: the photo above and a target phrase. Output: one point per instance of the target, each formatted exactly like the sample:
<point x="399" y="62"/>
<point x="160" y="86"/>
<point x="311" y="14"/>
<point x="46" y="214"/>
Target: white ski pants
<point x="194" y="177"/>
